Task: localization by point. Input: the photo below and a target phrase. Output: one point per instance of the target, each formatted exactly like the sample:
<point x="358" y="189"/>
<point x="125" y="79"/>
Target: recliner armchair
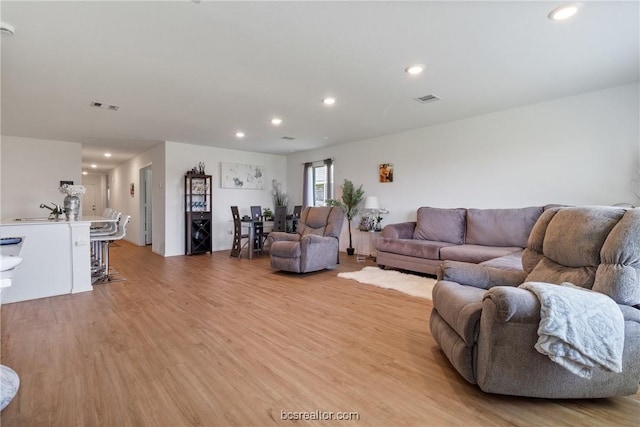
<point x="487" y="326"/>
<point x="315" y="245"/>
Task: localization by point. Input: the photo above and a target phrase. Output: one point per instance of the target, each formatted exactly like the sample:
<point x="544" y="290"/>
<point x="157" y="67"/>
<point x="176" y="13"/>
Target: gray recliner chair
<point x="487" y="326"/>
<point x="314" y="246"/>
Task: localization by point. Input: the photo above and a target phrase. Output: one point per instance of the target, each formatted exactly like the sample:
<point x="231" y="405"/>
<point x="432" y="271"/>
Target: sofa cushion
<point x="414" y="248"/>
<point x="440" y="225"/>
<point x="618" y="273"/>
<point x="475" y="253"/>
<point x="501" y="227"/>
<point x="512" y="261"/>
<point x="595" y="248"/>
<point x="285" y="249"/>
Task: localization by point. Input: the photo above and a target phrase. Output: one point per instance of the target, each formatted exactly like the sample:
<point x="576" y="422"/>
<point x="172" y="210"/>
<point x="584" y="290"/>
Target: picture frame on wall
<point x="385" y="172"/>
<point x="241" y="176"/>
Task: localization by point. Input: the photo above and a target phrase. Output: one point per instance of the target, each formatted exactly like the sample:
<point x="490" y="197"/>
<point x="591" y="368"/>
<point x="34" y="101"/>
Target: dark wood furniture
<point x="198" y="195"/>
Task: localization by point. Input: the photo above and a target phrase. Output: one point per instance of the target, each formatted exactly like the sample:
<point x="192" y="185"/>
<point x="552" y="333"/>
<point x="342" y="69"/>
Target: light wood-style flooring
<point x="211" y="340"/>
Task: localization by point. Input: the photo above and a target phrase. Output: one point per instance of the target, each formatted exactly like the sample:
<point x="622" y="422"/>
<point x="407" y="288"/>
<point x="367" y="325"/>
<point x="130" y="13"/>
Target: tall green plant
<point x="351" y="198"/>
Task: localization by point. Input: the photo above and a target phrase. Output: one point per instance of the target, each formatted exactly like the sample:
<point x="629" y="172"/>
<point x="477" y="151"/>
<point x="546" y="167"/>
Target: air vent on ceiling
<point x="288" y="138"/>
<point x="104" y="106"/>
<point x="428" y="98"/>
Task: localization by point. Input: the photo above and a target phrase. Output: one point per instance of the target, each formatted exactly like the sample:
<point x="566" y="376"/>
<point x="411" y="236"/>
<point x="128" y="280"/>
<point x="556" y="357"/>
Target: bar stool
<point x="103" y="241"/>
<point x="96" y="233"/>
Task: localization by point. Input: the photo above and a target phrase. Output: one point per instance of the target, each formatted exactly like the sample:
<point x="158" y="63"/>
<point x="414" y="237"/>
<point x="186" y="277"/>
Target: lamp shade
<point x="371" y="202"/>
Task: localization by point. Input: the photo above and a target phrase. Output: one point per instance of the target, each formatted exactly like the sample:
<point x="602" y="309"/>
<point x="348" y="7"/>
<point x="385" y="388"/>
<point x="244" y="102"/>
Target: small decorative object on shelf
<point x="198" y="220"/>
<point x="72" y="200"/>
<point x="366" y="223"/>
<point x="197" y="170"/>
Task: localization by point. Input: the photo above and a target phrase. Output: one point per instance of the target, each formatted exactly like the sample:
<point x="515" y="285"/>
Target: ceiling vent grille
<point x="428" y="98"/>
<point x="104" y="106"/>
<point x="288" y="138"/>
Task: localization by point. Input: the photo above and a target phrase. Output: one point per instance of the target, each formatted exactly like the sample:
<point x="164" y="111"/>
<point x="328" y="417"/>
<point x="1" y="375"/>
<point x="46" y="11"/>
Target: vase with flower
<point x="72" y="200"/>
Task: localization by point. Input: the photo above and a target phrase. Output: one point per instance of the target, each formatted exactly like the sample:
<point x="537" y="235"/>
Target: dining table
<point x="251" y="225"/>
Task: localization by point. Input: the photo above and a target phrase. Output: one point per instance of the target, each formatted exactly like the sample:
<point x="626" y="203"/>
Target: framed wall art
<point x="241" y="176"/>
<point x="385" y="171"/>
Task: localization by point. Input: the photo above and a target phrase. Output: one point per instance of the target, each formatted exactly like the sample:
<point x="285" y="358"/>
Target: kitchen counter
<point x="57" y="258"/>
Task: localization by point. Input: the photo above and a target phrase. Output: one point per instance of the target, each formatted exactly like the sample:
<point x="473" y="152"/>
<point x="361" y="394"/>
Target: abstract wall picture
<point x="241" y="176"/>
<point x="386" y="172"/>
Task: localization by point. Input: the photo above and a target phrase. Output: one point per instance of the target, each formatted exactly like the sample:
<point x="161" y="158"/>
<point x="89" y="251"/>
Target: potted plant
<point x="268" y="214"/>
<point x="280" y="198"/>
<point x="351" y="198"/>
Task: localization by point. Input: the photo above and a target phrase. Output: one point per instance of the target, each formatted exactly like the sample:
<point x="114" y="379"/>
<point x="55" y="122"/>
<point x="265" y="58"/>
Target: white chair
<point x="110" y="227"/>
<point x="103" y="264"/>
<point x="96" y="234"/>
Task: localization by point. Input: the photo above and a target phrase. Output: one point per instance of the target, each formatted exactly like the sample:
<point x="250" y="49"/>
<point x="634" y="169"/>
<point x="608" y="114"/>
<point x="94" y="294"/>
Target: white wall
<point x="169" y="163"/>
<point x="182" y="157"/>
<point x="576" y="150"/>
<point x="31" y="171"/>
<point x="120" y="179"/>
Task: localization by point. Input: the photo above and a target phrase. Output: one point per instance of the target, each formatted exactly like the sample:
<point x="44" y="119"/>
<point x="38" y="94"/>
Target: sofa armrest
<point x="630" y="314"/>
<point x="513" y="305"/>
<point x="401" y="230"/>
<point x="480" y="276"/>
<point x="276" y="236"/>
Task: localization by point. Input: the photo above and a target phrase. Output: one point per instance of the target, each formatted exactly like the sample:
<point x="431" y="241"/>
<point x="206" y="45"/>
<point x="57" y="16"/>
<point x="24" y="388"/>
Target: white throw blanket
<point x="579" y="329"/>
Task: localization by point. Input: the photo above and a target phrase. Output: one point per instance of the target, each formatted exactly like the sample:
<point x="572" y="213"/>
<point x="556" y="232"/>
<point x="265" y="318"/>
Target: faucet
<point x="56" y="210"/>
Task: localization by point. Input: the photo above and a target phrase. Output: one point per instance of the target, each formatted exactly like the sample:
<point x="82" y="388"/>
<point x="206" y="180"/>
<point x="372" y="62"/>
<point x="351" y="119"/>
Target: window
<point x="318" y="183"/>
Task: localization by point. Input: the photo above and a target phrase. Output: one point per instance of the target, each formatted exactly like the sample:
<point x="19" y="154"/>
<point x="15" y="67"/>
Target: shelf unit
<point x="198" y="194"/>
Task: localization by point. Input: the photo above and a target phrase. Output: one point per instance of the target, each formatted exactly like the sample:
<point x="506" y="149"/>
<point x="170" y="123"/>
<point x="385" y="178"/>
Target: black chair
<point x="256" y="212"/>
<point x="237" y="246"/>
<point x="258" y="227"/>
<point x="297" y="211"/>
<point x="280" y="219"/>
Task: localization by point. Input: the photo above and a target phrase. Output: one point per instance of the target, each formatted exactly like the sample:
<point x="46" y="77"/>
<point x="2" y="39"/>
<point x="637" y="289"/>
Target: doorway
<point x="89" y="200"/>
<point x="147" y="205"/>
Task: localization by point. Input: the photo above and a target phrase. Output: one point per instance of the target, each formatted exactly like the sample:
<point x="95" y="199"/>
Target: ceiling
<point x="198" y="72"/>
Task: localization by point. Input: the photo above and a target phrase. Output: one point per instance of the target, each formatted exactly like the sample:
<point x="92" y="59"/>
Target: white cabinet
<point x="56" y="259"/>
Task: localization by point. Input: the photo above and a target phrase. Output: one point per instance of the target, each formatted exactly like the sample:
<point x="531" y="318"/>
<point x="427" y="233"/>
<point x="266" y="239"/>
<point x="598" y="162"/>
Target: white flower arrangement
<point x="72" y="190"/>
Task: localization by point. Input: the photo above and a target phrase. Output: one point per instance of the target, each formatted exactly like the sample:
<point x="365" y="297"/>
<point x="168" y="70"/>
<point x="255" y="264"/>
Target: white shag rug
<point x="410" y="284"/>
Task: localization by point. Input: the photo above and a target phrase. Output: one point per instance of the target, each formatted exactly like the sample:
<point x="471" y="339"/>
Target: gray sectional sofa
<point x="492" y="237"/>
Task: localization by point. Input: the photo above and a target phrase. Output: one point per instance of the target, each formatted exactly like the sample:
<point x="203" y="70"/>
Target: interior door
<point x="89" y="200"/>
<point x="146" y="175"/>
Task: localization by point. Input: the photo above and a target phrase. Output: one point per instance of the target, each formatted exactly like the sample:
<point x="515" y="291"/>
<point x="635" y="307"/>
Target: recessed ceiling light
<point x="85" y="173"/>
<point x="414" y="70"/>
<point x="7" y="29"/>
<point x="107" y="154"/>
<point x="239" y="134"/>
<point x="564" y="12"/>
<point x="329" y="101"/>
<point x="94" y="166"/>
<point x="276" y="121"/>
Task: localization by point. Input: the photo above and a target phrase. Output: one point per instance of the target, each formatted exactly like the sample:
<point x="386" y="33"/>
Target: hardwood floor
<point x="212" y="340"/>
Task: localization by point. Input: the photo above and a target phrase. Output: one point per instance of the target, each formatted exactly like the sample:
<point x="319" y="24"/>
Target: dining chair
<point x="258" y="228"/>
<point x="297" y="211"/>
<point x="280" y="219"/>
<point x="256" y="212"/>
<point x="237" y="246"/>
